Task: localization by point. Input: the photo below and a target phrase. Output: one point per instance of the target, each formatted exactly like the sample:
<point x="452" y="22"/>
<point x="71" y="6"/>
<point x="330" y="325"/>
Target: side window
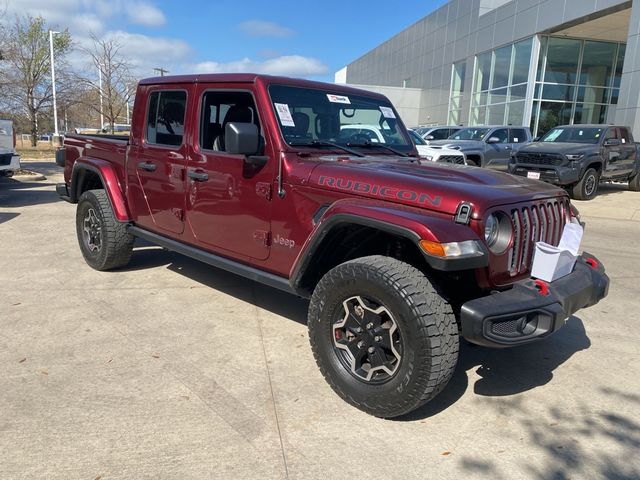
<point x="624" y="135"/>
<point x="219" y="109"/>
<point x="518" y="135"/>
<point x="165" y="117"/>
<point x="440" y="134"/>
<point x="611" y="133"/>
<point x="502" y="134"/>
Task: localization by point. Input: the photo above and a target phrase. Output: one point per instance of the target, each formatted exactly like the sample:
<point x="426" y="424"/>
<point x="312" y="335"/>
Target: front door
<point x="497" y="154"/>
<point x="228" y="196"/>
<point x="155" y="165"/>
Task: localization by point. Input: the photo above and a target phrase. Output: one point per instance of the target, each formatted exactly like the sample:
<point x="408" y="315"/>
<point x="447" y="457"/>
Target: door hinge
<point x="263" y="189"/>
<point x="262" y="236"/>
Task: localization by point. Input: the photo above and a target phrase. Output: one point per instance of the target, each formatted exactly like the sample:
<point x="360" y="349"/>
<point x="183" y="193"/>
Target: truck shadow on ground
<point x="15" y="194"/>
<point x="45" y="167"/>
<point x="502" y="372"/>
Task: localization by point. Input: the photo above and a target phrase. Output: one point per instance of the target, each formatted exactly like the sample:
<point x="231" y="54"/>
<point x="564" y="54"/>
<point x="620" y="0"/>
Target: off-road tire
<point x="116" y="243"/>
<point x="427" y="326"/>
<point x="587" y="187"/>
<point x="634" y="183"/>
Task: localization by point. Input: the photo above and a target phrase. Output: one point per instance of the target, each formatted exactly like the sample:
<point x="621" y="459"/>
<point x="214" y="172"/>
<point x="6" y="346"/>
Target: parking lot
<point x="173" y="369"/>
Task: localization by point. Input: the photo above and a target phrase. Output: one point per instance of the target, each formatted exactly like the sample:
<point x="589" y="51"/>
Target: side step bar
<point x="251" y="273"/>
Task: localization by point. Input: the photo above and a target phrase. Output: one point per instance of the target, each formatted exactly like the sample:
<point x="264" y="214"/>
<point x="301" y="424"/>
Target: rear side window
<point x="624" y="135"/>
<point x="518" y="135"/>
<point x="165" y="117"/>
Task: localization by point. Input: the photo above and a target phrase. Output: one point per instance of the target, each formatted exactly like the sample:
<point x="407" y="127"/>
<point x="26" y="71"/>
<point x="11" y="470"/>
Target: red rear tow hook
<point x="543" y="287"/>
<point x="592" y="263"/>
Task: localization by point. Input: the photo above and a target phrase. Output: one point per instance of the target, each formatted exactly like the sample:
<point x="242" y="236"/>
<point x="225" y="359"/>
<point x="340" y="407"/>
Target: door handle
<point x="148" y="166"/>
<point x="507" y="148"/>
<point x="198" y="176"/>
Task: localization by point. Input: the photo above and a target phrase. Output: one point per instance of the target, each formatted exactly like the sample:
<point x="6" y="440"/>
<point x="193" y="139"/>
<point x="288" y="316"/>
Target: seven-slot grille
<point x="540" y="158"/>
<point x="541" y="222"/>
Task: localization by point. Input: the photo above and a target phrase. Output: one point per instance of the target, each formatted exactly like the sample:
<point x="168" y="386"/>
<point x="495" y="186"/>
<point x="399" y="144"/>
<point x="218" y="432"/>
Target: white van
<point x="9" y="160"/>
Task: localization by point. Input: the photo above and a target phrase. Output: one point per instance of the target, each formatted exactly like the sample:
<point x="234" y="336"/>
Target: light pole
<point x="101" y="108"/>
<point x="53" y="86"/>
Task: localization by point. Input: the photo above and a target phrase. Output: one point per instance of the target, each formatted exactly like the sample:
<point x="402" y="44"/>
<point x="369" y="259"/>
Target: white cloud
<point x="287" y="65"/>
<point x="262" y="28"/>
<point x="142" y="13"/>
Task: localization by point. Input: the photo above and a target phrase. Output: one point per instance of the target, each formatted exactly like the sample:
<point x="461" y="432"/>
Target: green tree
<point x="25" y="72"/>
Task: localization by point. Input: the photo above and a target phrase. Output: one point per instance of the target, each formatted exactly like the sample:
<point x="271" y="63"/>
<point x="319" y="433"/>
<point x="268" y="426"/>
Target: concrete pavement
<point x="173" y="369"/>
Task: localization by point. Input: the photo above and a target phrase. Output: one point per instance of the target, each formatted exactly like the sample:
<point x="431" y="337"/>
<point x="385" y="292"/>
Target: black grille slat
<point x="458" y="159"/>
<point x="540" y="222"/>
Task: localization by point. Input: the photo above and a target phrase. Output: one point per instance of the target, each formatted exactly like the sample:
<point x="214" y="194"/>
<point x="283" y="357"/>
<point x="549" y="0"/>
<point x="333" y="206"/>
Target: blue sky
<point x="311" y="39"/>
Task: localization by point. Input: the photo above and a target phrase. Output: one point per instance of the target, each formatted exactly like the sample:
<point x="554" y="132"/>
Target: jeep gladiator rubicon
<point x="400" y="258"/>
<point x="489" y="147"/>
<point x="578" y="157"/>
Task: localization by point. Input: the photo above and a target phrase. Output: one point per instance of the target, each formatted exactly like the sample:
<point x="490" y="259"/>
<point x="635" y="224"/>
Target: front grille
<point x="540" y="222"/>
<point x="459" y="159"/>
<point x="551" y="159"/>
<point x="5" y="158"/>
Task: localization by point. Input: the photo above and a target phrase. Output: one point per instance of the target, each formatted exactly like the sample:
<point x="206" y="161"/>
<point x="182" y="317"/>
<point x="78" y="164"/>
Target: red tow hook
<point x="592" y="262"/>
<point x="543" y="287"/>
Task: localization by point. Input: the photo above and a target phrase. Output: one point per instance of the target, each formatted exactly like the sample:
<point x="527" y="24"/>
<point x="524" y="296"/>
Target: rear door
<point x="228" y="199"/>
<point x="627" y="151"/>
<point x="611" y="154"/>
<point x="157" y="160"/>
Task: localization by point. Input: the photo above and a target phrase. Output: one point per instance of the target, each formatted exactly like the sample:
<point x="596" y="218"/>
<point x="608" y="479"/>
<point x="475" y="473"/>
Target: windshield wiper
<point x="377" y="145"/>
<point x="321" y="143"/>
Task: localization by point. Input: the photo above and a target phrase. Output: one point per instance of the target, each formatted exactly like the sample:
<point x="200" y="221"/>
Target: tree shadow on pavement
<point x="510" y="371"/>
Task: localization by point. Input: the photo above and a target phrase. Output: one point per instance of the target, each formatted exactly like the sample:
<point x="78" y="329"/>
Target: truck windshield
<point x="318" y="118"/>
<point x="573" y="135"/>
<point x="469" y="134"/>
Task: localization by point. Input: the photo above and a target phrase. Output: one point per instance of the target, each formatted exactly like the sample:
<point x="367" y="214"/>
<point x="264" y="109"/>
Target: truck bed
<point x="110" y="148"/>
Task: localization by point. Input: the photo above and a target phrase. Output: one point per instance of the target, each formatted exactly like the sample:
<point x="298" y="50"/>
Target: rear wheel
<point x="104" y="242"/>
<point x="634" y="183"/>
<point x="384" y="339"/>
<point x="587" y="187"/>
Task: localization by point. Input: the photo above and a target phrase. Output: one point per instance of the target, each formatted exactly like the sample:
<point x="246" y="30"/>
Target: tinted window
<point x="469" y="134"/>
<point x="502" y="134"/>
<point x="439" y="133"/>
<point x="220" y="108"/>
<point x="518" y="135"/>
<point x="165" y="117"/>
<point x="624" y="135"/>
<point x="573" y="135"/>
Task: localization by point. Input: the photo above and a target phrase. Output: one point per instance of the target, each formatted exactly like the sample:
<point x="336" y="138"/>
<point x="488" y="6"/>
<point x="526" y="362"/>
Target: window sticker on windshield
<point x="387" y="112"/>
<point x="285" y="115"/>
<point x="338" y="98"/>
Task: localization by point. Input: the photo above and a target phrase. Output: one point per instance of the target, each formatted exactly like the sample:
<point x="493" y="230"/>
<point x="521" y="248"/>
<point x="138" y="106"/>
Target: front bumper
<point x="532" y="310"/>
<point x="554" y="175"/>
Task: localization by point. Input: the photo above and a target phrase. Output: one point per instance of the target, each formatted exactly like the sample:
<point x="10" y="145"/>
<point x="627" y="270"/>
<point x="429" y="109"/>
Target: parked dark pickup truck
<point x="578" y="157"/>
<point x="400" y="258"/>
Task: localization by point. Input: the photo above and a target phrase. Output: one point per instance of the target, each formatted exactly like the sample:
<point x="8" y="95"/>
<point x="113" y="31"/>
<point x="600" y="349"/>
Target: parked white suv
<point x="432" y="154"/>
<point x="9" y="159"/>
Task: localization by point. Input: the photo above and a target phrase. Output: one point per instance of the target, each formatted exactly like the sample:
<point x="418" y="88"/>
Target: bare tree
<point x="114" y="81"/>
<point x="25" y="72"/>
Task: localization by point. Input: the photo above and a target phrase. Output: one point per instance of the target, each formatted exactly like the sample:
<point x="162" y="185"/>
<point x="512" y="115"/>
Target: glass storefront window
<point x="597" y="63"/>
<point x="553" y="114"/>
<point x="593" y="95"/>
<point x="518" y="92"/>
<point x="501" y="67"/>
<point x="563" y="56"/>
<point x="483" y="72"/>
<point x="515" y="113"/>
<point x="558" y="92"/>
<point x="521" y="60"/>
<point x="622" y="49"/>
<point x="498" y="96"/>
<point x="590" y="113"/>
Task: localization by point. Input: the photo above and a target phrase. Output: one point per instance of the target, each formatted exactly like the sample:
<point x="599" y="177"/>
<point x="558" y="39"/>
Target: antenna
<point x="161" y="71"/>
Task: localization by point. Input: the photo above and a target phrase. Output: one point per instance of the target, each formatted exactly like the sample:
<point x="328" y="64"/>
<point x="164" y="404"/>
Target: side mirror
<point x="241" y="138"/>
<point x="612" y="142"/>
<point x="493" y="140"/>
<point x="536" y="139"/>
<point x="429" y="137"/>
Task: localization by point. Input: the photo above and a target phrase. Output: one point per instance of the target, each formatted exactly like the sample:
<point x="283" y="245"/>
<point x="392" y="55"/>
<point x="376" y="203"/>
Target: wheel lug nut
<point x="371" y="349"/>
<point x="378" y="338"/>
<point x="369" y="326"/>
<point x="360" y="344"/>
<point x="358" y="330"/>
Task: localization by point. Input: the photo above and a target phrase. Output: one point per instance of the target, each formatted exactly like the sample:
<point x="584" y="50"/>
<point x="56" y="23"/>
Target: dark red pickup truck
<point x="257" y="175"/>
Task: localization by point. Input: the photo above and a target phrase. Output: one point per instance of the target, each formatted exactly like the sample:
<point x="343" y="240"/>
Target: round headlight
<point x="491" y="230"/>
<point x="497" y="232"/>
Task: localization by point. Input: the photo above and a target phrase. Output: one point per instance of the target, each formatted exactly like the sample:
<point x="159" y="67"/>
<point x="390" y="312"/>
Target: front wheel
<point x="104" y="242"/>
<point x="385" y="340"/>
<point x="587" y="187"/>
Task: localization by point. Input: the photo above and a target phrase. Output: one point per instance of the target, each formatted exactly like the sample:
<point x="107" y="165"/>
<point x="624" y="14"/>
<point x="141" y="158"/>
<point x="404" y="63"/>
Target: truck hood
<point x="464" y="145"/>
<point x="559" y="147"/>
<point x="437" y="187"/>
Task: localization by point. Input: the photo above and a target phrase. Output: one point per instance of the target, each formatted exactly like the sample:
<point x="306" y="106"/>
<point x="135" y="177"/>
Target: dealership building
<point x="537" y="63"/>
